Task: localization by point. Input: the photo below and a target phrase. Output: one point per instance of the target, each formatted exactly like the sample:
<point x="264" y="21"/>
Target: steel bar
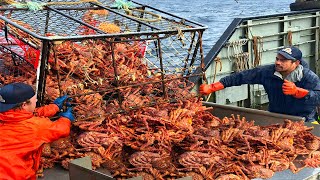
<point x="161" y="67"/>
<point x="42" y="73"/>
<point x="259" y="116"/>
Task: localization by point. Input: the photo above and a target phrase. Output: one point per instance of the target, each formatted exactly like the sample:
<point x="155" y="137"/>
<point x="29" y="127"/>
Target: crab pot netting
<point x="13" y="66"/>
<point x="136" y="63"/>
<point x="120" y="75"/>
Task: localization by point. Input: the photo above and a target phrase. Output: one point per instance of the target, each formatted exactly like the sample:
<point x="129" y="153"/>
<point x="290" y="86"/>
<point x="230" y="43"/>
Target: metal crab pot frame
<point x="168" y="49"/>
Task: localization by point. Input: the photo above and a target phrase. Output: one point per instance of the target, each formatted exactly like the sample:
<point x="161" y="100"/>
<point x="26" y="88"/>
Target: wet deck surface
<point x="59" y="173"/>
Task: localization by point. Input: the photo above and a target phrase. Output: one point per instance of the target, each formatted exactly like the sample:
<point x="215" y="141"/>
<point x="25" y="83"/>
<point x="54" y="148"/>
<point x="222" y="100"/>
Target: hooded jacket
<point x="22" y="137"/>
<point x="272" y="83"/>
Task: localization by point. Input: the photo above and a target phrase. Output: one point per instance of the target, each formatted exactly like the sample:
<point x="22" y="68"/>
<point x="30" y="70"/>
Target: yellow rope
<point x="9" y="1"/>
<point x="156" y="19"/>
<point x="72" y="3"/>
<point x="217" y="61"/>
<point x="290" y="38"/>
<point x="257" y="50"/>
<point x="181" y="36"/>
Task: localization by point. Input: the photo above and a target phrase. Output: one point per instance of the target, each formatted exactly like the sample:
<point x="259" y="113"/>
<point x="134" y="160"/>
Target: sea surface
<point x="218" y="14"/>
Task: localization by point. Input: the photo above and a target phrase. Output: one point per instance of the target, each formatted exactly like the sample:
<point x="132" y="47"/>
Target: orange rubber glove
<point x="289" y="88"/>
<point x="206" y="89"/>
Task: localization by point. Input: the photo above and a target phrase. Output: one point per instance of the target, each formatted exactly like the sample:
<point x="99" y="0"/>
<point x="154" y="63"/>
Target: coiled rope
<point x="289" y="38"/>
<point x="217" y="61"/>
<point x="257" y="50"/>
<point x="241" y="58"/>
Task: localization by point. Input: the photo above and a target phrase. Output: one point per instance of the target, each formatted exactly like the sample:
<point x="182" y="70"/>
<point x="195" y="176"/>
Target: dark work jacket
<point x="279" y="102"/>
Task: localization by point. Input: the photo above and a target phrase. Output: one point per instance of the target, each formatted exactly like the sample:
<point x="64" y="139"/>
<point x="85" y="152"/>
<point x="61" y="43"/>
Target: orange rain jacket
<point x="22" y="135"/>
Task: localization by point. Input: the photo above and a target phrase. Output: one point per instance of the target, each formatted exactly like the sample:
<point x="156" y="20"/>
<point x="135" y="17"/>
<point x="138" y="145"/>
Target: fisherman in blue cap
<point x="25" y="128"/>
<point x="291" y="86"/>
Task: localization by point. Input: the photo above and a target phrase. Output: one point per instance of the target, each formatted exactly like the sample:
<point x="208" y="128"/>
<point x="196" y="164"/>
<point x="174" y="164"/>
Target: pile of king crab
<point x="184" y="139"/>
<point x="156" y="129"/>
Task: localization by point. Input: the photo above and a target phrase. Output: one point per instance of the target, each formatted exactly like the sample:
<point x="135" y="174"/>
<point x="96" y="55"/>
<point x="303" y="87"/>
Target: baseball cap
<point x="13" y="94"/>
<point x="291" y="53"/>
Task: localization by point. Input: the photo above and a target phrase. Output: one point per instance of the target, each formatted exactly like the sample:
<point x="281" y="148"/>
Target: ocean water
<point x="218" y="14"/>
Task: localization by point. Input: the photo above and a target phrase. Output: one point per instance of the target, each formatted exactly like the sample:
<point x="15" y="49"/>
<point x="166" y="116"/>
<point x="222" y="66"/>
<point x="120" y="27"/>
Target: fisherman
<point x="292" y="88"/>
<point x="24" y="129"/>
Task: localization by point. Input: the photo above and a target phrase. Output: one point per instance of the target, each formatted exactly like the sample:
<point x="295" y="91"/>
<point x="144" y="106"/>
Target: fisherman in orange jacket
<point x="25" y="129"/>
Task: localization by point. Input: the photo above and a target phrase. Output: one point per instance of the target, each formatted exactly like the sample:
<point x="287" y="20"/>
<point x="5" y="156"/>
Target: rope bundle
<point x="289" y="37"/>
<point x="235" y="50"/>
<point x="257" y="50"/>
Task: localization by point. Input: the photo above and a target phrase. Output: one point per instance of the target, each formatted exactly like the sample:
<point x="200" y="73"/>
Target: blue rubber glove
<point x="59" y="101"/>
<point x="68" y="114"/>
<point x="68" y="104"/>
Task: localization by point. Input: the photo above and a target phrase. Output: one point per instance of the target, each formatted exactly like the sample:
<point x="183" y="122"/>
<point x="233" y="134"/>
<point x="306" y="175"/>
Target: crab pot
<point x="107" y="59"/>
<point x="115" y="75"/>
<point x="112" y="62"/>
